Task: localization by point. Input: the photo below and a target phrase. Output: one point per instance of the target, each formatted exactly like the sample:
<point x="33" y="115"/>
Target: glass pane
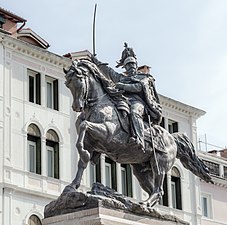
<point x="34" y="130"/>
<point x="92" y="174"/>
<point x="49" y="95"/>
<point x="204" y="206"/>
<point x="32" y="157"/>
<point x="34" y="220"/>
<point x="108" y="175"/>
<point x="173" y="189"/>
<point x="50" y="161"/>
<point x="124" y="181"/>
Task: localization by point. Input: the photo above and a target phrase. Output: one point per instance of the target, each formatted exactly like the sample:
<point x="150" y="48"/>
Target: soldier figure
<point x="140" y="91"/>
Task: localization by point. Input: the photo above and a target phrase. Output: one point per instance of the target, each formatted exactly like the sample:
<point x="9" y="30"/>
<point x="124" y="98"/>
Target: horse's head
<point x="76" y="81"/>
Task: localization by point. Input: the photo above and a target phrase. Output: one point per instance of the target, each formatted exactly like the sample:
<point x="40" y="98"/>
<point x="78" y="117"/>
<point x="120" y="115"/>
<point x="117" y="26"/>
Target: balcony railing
<point x="213" y="167"/>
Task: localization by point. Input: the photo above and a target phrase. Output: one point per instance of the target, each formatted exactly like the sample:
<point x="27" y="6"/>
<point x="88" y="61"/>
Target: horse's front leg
<point x="77" y="180"/>
<point x="84" y="154"/>
<point x="99" y="131"/>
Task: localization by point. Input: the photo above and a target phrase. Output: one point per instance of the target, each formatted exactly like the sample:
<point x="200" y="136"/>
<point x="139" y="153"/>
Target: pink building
<point x="214" y="196"/>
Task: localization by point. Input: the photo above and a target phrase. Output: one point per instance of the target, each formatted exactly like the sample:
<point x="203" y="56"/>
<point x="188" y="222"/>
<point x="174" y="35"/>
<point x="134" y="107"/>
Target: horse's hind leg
<point x="158" y="190"/>
<point x="145" y="177"/>
<point x="150" y="181"/>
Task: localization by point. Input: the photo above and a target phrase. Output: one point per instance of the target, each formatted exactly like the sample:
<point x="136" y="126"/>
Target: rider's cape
<point x="151" y="97"/>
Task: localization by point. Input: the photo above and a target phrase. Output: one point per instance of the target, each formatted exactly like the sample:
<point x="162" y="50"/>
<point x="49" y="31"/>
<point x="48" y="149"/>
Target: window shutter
<point x="38" y="88"/>
<point x="55" y="94"/>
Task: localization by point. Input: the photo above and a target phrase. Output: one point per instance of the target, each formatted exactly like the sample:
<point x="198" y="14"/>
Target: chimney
<point x="144" y="69"/>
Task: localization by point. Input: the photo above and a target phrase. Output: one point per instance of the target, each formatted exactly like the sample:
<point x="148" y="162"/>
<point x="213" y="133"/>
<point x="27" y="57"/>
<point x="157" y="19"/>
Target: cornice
<point x="180" y="107"/>
<point x="34" y="51"/>
<point x="213" y="158"/>
<point x="61" y="61"/>
<point x="218" y="181"/>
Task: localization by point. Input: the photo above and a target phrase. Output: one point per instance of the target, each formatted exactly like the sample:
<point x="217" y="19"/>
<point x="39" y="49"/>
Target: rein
<point x="80" y="74"/>
<point x="91" y="101"/>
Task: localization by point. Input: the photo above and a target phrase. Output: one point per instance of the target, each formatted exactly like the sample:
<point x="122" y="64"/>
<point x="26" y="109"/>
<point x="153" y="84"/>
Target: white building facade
<point x="37" y="137"/>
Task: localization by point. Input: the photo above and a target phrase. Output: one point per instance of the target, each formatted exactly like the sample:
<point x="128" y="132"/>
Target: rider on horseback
<point x="140" y="91"/>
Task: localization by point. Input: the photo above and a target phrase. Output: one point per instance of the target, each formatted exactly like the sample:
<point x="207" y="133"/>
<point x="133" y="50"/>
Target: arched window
<point x="52" y="146"/>
<point x="34" y="220"/>
<point x="34" y="148"/>
<point x="176" y="188"/>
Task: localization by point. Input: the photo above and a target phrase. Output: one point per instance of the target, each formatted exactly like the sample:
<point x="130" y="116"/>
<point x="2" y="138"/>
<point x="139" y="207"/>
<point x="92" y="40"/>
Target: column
<point x="170" y="201"/>
<point x="103" y="170"/>
<point x="119" y="184"/>
<point x="43" y="156"/>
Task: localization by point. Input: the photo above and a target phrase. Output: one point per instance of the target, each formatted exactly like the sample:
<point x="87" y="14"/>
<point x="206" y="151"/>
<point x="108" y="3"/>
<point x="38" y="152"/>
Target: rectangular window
<point x="206" y="205"/>
<point x="95" y="173"/>
<point x="225" y="172"/>
<point x="172" y="126"/>
<point x="108" y="174"/>
<point x="92" y="174"/>
<point x="50" y="161"/>
<point x="32" y="156"/>
<point x="51" y="93"/>
<point x="34" y="87"/>
<point x="2" y="21"/>
<point x="126" y="180"/>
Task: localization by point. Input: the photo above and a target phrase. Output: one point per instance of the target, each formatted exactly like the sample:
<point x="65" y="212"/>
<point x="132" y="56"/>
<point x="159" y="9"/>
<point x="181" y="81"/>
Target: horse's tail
<point x="187" y="156"/>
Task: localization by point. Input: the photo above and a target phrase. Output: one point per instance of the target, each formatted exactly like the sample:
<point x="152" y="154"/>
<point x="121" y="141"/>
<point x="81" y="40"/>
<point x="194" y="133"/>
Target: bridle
<point x="82" y="73"/>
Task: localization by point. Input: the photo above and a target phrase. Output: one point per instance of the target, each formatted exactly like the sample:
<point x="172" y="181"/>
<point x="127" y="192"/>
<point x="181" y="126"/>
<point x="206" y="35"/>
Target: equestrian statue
<point x="120" y="117"/>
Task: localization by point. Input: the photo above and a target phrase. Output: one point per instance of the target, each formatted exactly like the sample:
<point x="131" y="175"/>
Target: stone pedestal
<point x="102" y="206"/>
<point x="104" y="216"/>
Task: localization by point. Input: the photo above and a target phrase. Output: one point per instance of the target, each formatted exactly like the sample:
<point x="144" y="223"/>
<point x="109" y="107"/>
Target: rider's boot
<point x="137" y="130"/>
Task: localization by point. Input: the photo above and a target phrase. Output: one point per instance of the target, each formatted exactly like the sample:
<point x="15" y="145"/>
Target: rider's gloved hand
<point x="120" y="86"/>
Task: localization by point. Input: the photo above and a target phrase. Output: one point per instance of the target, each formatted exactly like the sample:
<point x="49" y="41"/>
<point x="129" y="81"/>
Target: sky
<point x="184" y="41"/>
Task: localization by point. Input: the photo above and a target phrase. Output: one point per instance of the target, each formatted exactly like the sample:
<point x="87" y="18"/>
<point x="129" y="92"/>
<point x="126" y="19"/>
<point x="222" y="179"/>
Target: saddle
<point x="153" y="136"/>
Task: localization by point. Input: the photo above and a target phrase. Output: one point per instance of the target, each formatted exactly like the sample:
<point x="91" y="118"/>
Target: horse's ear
<point x="64" y="70"/>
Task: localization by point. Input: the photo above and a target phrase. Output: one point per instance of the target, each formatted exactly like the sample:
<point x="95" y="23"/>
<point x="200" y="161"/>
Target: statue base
<point x="104" y="216"/>
<point x="102" y="206"/>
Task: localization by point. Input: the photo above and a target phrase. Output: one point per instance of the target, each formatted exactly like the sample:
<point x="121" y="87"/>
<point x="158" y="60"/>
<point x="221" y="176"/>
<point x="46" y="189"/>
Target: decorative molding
<point x="34" y="51"/>
<point x="172" y="104"/>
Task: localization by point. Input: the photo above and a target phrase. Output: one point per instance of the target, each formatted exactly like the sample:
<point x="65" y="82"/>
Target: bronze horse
<point x="102" y="129"/>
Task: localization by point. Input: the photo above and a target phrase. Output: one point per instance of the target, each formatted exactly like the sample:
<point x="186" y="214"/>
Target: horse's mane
<point x="107" y="84"/>
<point x="94" y="70"/>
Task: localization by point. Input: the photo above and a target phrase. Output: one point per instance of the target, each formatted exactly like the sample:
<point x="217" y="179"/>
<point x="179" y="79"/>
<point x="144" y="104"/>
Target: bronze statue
<point x="139" y="90"/>
<point x="104" y="99"/>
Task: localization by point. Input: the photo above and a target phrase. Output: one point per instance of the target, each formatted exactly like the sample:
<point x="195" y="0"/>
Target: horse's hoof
<point x="68" y="189"/>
